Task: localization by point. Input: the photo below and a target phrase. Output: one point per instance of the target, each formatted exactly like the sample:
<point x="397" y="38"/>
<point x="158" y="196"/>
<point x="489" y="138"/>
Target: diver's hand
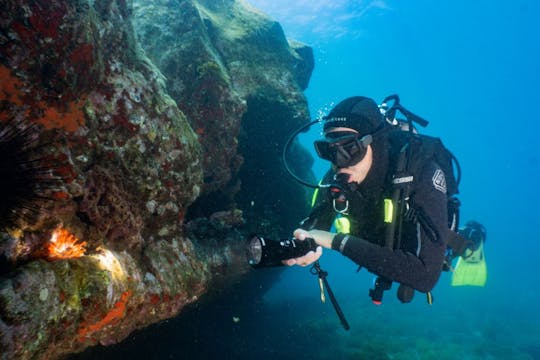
<point x="322" y="238"/>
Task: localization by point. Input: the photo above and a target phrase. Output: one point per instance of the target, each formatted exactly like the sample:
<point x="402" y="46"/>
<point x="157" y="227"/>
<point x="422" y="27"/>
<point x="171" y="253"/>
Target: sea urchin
<point x="25" y="174"/>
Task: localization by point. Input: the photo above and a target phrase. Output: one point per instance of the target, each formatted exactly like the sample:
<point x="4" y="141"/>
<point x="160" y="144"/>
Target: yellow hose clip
<point x="321" y="285"/>
<point x="429" y="298"/>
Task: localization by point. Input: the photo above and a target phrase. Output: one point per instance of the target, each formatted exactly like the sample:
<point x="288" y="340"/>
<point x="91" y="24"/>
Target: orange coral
<point x="60" y="195"/>
<point x="116" y="313"/>
<point x="10" y="86"/>
<point x="70" y="120"/>
<point x="64" y="245"/>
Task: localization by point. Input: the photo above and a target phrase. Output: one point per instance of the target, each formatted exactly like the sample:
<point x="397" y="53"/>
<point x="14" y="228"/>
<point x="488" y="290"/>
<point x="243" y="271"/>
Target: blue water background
<point x="472" y="69"/>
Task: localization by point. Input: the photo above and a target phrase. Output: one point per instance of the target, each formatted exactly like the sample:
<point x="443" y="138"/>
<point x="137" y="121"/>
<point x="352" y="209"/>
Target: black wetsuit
<point x="418" y="261"/>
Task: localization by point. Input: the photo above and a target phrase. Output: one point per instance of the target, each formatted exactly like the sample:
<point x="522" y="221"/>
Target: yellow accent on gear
<point x="321" y="286"/>
<point x="342" y="225"/>
<point x="472" y="270"/>
<point x="388" y="211"/>
<point x="315" y="195"/>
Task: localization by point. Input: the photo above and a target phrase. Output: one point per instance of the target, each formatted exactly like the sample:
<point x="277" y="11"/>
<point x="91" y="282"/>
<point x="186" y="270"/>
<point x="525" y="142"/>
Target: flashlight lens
<point x="255" y="251"/>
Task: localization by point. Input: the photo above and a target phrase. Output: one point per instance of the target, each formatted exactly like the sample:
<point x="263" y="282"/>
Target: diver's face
<point x="343" y="148"/>
<point x="359" y="171"/>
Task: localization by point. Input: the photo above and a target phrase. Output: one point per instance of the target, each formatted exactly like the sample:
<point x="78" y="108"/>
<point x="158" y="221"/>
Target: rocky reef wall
<point x="138" y="176"/>
<point x="240" y="82"/>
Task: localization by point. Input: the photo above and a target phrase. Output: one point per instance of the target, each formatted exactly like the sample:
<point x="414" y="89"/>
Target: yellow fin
<point x="472" y="270"/>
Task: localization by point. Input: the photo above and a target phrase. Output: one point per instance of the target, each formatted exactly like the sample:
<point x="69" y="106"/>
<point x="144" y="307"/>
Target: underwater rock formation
<point x="239" y="80"/>
<point x="109" y="250"/>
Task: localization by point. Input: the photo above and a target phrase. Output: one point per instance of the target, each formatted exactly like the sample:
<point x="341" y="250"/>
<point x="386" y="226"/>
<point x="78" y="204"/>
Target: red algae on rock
<point x="117" y="312"/>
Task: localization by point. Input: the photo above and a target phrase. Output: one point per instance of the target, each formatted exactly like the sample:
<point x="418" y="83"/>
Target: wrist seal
<point x="339" y="241"/>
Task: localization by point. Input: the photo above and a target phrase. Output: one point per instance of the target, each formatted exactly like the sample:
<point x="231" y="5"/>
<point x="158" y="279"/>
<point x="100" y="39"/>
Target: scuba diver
<point x="389" y="202"/>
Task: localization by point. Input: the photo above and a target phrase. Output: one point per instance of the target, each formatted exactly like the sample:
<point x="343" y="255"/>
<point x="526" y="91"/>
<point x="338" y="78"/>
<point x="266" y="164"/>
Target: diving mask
<point x="343" y="149"/>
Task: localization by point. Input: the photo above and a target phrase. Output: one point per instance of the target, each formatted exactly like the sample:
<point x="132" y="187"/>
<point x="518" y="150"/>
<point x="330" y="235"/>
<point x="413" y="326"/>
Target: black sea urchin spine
<point x="25" y="174"/>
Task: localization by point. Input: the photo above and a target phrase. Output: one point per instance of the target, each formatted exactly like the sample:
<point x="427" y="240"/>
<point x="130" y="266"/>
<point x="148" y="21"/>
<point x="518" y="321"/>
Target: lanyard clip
<point x="341" y="211"/>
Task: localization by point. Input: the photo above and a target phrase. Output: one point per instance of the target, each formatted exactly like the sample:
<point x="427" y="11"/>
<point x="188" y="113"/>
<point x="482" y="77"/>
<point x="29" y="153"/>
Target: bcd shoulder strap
<point x="424" y="148"/>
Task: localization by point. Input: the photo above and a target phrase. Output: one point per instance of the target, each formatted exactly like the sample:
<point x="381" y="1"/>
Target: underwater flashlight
<point x="267" y="253"/>
<point x="263" y="253"/>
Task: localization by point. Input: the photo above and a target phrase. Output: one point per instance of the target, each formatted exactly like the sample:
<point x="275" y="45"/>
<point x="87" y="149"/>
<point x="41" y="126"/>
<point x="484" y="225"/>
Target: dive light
<point x="263" y="252"/>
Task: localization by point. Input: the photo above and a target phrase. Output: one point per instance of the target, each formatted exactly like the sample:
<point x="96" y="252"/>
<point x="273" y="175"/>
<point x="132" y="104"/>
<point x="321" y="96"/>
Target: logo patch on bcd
<point x="439" y="181"/>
